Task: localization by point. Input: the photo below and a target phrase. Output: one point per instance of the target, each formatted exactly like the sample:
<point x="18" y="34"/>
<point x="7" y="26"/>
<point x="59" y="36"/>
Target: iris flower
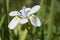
<point x="23" y="16"/>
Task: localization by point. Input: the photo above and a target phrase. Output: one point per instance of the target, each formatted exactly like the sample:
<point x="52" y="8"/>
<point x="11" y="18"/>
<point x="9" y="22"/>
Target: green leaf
<point x="2" y="20"/>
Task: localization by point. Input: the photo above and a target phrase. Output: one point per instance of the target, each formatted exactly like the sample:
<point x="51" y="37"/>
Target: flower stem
<point x="29" y="32"/>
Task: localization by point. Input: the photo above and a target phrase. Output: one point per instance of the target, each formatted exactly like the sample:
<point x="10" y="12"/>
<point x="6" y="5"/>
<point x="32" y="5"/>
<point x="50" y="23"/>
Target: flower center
<point x="27" y="17"/>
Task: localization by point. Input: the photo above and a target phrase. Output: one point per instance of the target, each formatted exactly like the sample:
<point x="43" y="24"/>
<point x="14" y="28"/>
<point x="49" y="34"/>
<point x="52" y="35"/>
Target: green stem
<point x="32" y="35"/>
<point x="50" y="25"/>
<point x="29" y="31"/>
<point x="42" y="14"/>
<point x="5" y="31"/>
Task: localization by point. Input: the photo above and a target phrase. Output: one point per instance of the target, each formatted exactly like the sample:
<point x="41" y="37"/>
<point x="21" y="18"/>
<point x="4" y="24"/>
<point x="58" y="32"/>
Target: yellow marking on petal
<point x="17" y="18"/>
<point x="32" y="16"/>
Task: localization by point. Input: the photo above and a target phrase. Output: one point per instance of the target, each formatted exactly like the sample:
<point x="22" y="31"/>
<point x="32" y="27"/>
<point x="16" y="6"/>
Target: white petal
<point x="14" y="22"/>
<point x="14" y="13"/>
<point x="23" y="21"/>
<point x="25" y="11"/>
<point x="35" y="21"/>
<point x="34" y="9"/>
<point x="28" y="9"/>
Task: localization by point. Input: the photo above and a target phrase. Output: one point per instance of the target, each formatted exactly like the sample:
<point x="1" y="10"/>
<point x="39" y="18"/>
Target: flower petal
<point x="23" y="21"/>
<point x="25" y="11"/>
<point x="14" y="13"/>
<point x="14" y="22"/>
<point x="35" y="21"/>
<point x="34" y="9"/>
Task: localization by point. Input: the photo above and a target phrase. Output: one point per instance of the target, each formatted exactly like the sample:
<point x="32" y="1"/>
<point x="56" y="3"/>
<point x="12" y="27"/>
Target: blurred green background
<point x="49" y="14"/>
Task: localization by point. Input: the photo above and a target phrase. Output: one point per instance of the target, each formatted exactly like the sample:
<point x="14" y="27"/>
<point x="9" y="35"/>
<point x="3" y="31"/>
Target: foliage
<point x="49" y="15"/>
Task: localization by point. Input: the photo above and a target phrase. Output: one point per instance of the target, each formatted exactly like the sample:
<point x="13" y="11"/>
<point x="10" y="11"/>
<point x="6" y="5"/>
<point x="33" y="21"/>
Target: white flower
<point x="23" y="16"/>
